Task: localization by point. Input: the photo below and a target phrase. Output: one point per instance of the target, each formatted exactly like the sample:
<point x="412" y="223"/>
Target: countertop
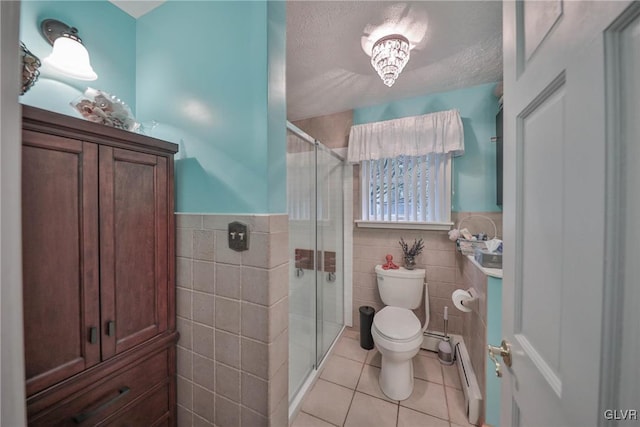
<point x="493" y="272"/>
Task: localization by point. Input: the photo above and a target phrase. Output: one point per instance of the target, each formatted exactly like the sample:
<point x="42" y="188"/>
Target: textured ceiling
<point x="455" y="44"/>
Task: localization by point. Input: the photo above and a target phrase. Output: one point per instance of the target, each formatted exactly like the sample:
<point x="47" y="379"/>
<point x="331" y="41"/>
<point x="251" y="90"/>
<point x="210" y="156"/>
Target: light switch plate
<point x="238" y="234"/>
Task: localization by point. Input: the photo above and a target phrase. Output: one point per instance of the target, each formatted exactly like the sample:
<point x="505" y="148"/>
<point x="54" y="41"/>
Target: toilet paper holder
<point x="463" y="298"/>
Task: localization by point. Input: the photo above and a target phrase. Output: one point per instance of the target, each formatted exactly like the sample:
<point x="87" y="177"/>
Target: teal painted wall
<point x="277" y="110"/>
<point x="210" y="73"/>
<point x="109" y="35"/>
<point x="203" y="74"/>
<point x="474" y="173"/>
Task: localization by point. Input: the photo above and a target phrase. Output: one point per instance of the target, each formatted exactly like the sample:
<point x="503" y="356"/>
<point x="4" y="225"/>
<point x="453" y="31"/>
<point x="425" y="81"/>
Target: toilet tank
<point x="402" y="287"/>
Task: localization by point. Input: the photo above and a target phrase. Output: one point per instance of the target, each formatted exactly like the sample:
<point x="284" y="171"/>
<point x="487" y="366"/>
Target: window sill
<point x="438" y="226"/>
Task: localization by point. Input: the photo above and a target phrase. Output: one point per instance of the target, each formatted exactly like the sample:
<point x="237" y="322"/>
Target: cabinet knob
<point x="93" y="335"/>
<point x="111" y="328"/>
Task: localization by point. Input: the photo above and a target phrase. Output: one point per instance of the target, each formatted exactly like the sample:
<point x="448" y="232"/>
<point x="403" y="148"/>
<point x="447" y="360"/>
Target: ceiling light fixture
<point x="389" y="56"/>
<point x="69" y="56"/>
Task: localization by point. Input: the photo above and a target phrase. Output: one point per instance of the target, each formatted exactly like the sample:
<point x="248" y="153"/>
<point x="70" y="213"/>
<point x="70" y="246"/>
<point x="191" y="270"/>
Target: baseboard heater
<point x="472" y="395"/>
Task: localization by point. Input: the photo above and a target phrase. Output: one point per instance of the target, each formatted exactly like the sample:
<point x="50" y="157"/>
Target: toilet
<point x="396" y="331"/>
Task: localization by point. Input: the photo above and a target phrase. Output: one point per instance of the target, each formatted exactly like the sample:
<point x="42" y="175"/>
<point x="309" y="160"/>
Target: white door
<point x="558" y="104"/>
<point x="12" y="386"/>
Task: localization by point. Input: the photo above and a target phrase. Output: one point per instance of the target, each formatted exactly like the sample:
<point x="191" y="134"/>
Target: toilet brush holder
<point x="445" y="352"/>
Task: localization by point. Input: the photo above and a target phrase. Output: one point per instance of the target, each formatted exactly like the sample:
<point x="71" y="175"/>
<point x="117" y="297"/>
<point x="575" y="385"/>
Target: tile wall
<point x="232" y="310"/>
<point x="474" y="325"/>
<point x="440" y="258"/>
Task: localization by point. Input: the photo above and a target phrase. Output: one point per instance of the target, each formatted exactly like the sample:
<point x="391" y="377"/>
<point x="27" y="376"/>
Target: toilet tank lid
<point x="401" y="272"/>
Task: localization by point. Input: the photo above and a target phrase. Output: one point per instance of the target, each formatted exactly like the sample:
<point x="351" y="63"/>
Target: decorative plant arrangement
<point x="410" y="253"/>
<point x="100" y="107"/>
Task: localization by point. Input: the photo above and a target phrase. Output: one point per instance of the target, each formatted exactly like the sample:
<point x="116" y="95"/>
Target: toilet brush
<point x="445" y="354"/>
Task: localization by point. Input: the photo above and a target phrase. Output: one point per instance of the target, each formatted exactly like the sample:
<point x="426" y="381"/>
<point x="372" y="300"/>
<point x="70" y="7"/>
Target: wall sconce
<point x="69" y="56"/>
<point x="30" y="65"/>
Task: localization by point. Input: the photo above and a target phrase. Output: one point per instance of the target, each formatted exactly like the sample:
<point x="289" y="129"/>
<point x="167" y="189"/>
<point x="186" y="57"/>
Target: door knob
<point x="503" y="351"/>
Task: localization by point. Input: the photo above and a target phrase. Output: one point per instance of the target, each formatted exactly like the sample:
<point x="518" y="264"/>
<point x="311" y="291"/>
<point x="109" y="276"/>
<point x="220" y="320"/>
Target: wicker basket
<point x="468" y="247"/>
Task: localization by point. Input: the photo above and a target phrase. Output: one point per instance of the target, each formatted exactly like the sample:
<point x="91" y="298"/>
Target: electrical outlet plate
<point x="238" y="234"/>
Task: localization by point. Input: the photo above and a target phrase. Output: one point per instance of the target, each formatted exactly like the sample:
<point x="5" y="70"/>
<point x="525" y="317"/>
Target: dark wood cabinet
<point x="133" y="248"/>
<point x="60" y="256"/>
<point x="98" y="267"/>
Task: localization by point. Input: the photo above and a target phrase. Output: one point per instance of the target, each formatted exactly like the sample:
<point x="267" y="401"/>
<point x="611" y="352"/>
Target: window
<point x="405" y="169"/>
<point x="407" y="188"/>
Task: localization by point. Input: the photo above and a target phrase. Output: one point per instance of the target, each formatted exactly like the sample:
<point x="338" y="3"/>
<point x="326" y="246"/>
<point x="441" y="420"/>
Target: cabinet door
<point x="133" y="245"/>
<point x="60" y="258"/>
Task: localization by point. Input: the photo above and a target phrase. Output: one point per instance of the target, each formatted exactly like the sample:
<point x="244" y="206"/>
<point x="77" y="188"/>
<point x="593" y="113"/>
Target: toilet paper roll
<point x="461" y="300"/>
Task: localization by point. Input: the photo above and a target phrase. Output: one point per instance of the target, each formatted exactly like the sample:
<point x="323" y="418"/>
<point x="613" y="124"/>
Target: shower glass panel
<point x="329" y="240"/>
<point x="316" y="284"/>
<point x="301" y="201"/>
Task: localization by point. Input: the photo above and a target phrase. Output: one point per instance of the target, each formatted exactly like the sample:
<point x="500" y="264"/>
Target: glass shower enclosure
<point x="316" y="273"/>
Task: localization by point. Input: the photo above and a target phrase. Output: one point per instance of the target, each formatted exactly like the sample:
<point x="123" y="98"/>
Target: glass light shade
<point x="389" y="56"/>
<point x="71" y="58"/>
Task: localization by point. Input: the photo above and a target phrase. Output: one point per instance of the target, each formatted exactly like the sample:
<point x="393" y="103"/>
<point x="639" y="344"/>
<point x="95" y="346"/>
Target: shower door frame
<point x="320" y="356"/>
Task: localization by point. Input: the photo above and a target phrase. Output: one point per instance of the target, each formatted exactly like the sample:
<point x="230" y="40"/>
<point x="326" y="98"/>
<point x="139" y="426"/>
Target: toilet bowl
<point x="396" y="331"/>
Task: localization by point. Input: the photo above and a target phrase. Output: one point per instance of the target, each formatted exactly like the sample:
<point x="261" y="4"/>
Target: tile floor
<point x="347" y="392"/>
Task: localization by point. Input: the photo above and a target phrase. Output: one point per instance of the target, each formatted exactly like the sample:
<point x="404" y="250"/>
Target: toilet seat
<point x="397" y="324"/>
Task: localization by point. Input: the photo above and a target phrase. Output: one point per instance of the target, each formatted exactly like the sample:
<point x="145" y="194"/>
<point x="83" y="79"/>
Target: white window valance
<point x="439" y="132"/>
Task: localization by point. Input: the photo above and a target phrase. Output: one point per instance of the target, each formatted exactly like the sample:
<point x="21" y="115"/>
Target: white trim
<point x="613" y="301"/>
<point x="545" y="370"/>
<point x="440" y="226"/>
<point x="620" y="380"/>
<point x="12" y="403"/>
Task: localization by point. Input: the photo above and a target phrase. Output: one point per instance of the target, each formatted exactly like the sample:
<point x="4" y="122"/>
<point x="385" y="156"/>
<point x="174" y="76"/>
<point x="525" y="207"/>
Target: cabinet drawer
<point x="89" y="406"/>
<point x="152" y="410"/>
